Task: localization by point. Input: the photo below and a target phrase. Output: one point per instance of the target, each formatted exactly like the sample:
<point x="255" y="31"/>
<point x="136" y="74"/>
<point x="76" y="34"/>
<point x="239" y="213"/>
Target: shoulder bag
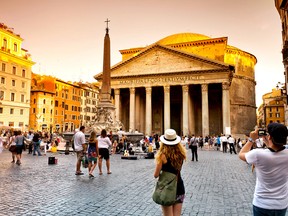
<point x="165" y="190"/>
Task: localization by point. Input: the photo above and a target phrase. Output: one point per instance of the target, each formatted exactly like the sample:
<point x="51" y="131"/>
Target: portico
<point x="188" y="82"/>
<point x="153" y="105"/>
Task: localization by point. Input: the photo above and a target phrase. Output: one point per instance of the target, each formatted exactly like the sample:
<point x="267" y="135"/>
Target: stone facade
<point x="189" y="82"/>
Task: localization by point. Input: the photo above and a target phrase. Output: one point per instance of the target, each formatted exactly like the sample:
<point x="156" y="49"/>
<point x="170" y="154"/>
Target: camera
<point x="262" y="132"/>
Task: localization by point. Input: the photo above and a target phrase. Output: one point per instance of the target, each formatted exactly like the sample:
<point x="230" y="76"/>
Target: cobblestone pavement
<point x="219" y="184"/>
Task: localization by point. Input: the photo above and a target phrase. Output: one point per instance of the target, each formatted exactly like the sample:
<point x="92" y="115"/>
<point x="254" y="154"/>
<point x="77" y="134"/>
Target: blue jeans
<point x="268" y="212"/>
<point x="36" y="146"/>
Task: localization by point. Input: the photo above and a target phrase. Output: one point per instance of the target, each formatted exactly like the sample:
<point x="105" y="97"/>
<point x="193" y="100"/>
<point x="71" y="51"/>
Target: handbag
<point x="12" y="148"/>
<point x="165" y="190"/>
<point x="85" y="161"/>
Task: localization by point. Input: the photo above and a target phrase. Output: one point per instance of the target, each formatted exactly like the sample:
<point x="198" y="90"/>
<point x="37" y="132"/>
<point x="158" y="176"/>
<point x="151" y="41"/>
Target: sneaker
<point x="79" y="173"/>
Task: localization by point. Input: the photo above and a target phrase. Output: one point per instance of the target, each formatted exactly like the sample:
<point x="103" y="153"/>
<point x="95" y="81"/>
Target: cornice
<point x="244" y="78"/>
<point x="21" y="58"/>
<point x="199" y="42"/>
<point x="243" y="105"/>
<point x="168" y="74"/>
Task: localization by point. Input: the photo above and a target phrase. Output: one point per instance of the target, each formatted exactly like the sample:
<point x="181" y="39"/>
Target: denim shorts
<point x="268" y="212"/>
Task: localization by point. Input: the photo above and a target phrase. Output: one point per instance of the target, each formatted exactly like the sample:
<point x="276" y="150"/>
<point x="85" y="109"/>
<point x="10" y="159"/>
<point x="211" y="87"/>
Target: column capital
<point x="185" y="88"/>
<point x="132" y="90"/>
<point x="148" y="90"/>
<point x="166" y="89"/>
<point x="116" y="91"/>
<point x="225" y="86"/>
<point x="204" y="87"/>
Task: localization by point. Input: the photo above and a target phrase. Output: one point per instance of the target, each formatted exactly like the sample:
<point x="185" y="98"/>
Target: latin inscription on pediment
<point x="161" y="80"/>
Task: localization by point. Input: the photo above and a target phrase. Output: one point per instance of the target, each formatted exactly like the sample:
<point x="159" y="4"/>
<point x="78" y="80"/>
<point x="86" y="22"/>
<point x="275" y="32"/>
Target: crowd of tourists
<point x="17" y="142"/>
<point x="265" y="152"/>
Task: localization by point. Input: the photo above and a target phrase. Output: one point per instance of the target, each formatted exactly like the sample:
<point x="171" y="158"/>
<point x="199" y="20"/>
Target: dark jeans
<point x="232" y="148"/>
<point x="194" y="152"/>
<point x="224" y="146"/>
<point x="268" y="212"/>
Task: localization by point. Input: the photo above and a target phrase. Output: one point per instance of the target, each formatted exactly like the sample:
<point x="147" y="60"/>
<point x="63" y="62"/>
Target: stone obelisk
<point x="105" y="93"/>
<point x="105" y="110"/>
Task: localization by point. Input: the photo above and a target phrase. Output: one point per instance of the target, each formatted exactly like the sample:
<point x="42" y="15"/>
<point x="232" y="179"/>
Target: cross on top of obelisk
<point x="107" y="29"/>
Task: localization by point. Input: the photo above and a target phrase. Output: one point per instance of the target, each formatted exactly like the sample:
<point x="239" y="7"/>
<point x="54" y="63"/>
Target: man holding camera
<point x="271" y="190"/>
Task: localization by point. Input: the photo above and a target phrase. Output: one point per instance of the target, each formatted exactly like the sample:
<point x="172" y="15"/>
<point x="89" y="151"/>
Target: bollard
<point x="67" y="148"/>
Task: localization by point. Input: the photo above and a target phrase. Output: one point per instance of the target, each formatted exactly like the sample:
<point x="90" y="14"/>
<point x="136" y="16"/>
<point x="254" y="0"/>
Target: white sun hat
<point x="170" y="137"/>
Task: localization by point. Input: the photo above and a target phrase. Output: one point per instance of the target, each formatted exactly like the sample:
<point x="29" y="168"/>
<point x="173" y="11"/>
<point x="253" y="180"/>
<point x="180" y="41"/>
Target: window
<point x="21" y="111"/>
<point x="1" y="123"/>
<point x="23" y="84"/>
<point x="22" y="98"/>
<point x="1" y="95"/>
<point x="34" y="110"/>
<point x="13" y="82"/>
<point x="14" y="70"/>
<point x="270" y="115"/>
<point x="44" y="101"/>
<point x="12" y="96"/>
<point x="56" y="112"/>
<point x="11" y="124"/>
<point x="66" y="107"/>
<point x="44" y="110"/>
<point x="2" y="80"/>
<point x="277" y="102"/>
<point x="34" y="101"/>
<point x="270" y="109"/>
<point x="3" y="67"/>
<point x="5" y="43"/>
<point x="23" y="73"/>
<point x="56" y="103"/>
<point x="21" y="124"/>
<point x="11" y="111"/>
<point x="277" y="115"/>
<point x="15" y="47"/>
<point x="1" y="110"/>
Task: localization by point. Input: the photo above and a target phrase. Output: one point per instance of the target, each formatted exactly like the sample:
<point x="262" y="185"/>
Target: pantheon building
<point x="189" y="82"/>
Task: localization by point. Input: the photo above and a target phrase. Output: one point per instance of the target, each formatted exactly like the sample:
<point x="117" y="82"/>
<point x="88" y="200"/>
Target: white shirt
<point x="104" y="142"/>
<point x="79" y="139"/>
<point x="271" y="190"/>
<point x="231" y="140"/>
<point x="223" y="139"/>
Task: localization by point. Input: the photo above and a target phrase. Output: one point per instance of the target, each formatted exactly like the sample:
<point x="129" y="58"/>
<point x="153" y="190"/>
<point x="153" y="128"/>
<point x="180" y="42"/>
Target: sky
<point x="65" y="37"/>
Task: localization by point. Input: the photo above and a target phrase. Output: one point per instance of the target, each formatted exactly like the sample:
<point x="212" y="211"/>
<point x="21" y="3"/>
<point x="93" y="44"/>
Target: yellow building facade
<point x="187" y="81"/>
<point x="15" y="80"/>
<point x="272" y="109"/>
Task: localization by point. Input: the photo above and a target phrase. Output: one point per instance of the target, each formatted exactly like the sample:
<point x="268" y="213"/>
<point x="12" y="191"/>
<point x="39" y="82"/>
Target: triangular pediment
<point x="157" y="59"/>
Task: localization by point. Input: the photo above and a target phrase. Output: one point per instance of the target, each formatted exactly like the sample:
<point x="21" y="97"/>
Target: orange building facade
<point x="57" y="105"/>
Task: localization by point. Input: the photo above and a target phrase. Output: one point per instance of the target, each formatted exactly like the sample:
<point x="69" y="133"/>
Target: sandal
<point x="109" y="172"/>
<point x="91" y="176"/>
<point x="100" y="173"/>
